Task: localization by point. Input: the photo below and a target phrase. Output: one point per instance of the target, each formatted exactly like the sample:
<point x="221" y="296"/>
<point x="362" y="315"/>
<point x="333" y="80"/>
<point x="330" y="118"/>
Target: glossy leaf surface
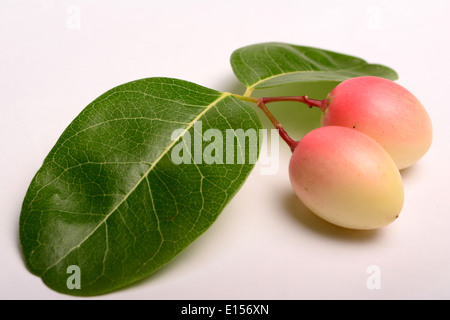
<point x="108" y="198"/>
<point x="274" y="64"/>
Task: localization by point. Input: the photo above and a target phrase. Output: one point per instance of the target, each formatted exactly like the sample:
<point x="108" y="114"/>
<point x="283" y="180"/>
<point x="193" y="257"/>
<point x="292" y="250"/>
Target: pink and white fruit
<point x="385" y="111"/>
<point x="346" y="178"/>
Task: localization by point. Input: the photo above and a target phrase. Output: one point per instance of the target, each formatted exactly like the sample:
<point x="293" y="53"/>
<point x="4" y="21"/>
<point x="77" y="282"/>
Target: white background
<point x="265" y="244"/>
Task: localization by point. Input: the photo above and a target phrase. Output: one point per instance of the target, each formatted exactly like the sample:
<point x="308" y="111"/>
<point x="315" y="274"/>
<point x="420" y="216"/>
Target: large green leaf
<point x="108" y="198"/>
<point x="274" y="64"/>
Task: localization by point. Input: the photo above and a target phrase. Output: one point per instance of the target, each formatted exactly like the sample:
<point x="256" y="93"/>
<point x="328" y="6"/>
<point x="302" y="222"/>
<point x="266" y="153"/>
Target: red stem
<point x="290" y="142"/>
<point x="321" y="104"/>
<point x="283" y="134"/>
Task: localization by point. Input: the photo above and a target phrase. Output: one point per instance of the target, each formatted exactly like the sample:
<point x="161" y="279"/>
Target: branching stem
<point x="261" y="102"/>
<point x="321" y="104"/>
<point x="283" y="134"/>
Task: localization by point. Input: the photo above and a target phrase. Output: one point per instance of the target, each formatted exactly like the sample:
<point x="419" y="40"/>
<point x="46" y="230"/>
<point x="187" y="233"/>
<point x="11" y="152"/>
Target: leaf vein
<point x="163" y="153"/>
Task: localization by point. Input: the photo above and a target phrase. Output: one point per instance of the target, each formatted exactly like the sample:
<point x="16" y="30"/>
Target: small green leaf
<point x="274" y="64"/>
<point x="110" y="203"/>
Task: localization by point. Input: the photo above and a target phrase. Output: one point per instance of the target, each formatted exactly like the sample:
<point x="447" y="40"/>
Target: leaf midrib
<point x="144" y="176"/>
<point x="253" y="86"/>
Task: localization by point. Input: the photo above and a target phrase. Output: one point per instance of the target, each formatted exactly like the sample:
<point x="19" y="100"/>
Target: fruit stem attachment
<point x="321" y="104"/>
<point x="261" y="102"/>
<point x="283" y="134"/>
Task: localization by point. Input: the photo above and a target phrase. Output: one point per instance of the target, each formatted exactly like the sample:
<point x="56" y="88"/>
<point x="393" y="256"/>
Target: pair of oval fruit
<point x="347" y="171"/>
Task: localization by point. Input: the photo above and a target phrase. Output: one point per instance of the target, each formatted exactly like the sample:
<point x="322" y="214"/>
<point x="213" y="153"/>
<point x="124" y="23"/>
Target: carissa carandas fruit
<point x="341" y="174"/>
<point x="380" y="108"/>
<point x="346" y="178"/>
<point x="384" y="110"/>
